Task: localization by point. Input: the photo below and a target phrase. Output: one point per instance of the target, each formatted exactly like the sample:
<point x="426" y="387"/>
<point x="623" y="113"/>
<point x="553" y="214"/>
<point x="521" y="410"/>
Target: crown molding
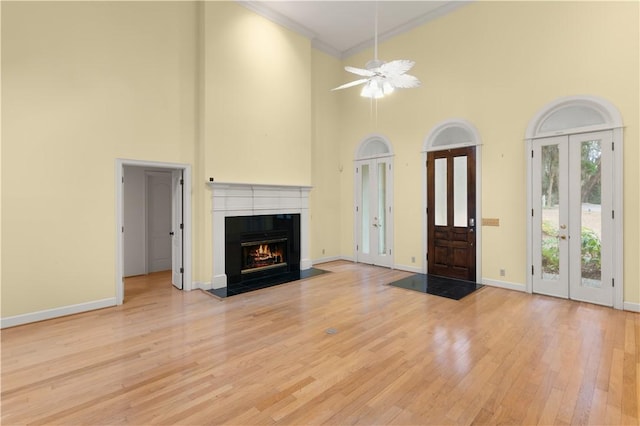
<point x="406" y="27"/>
<point x="280" y="19"/>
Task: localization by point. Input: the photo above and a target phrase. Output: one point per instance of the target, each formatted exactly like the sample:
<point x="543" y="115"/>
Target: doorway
<point x="162" y="240"/>
<point x="451" y="202"/>
<point x="575" y="225"/>
<point x="572" y="220"/>
<point x="374" y="200"/>
<point x="451" y="179"/>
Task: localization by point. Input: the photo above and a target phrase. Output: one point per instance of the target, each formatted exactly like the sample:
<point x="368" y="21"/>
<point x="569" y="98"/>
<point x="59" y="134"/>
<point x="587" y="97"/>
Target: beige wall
<point x="496" y="64"/>
<point x="83" y="83"/>
<point x="215" y="86"/>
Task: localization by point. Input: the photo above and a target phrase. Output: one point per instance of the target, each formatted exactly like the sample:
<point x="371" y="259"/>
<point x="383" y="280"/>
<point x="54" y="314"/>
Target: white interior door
<point x="158" y="221"/>
<point x="572" y="217"/>
<point x="177" y="229"/>
<point x="373" y="211"/>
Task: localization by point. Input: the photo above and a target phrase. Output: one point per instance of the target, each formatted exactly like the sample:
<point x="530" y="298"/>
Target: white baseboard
<point x="630" y="306"/>
<point x="56" y="312"/>
<point x="407" y="268"/>
<point x="325" y="259"/>
<point x="504" y="284"/>
<point x="202" y="285"/>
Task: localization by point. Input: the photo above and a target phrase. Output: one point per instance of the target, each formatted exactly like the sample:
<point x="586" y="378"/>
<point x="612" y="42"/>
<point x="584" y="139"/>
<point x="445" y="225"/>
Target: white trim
<point x="632" y="307"/>
<point x="504" y="284"/>
<point x="427" y="147"/>
<point x="325" y="260"/>
<point x="57" y="312"/>
<point x="446" y="8"/>
<point x="407" y="268"/>
<point x="120" y="163"/>
<point x="427" y="144"/>
<point x="250" y="199"/>
<point x="370" y="138"/>
<point x="605" y="108"/>
<point x="615" y="125"/>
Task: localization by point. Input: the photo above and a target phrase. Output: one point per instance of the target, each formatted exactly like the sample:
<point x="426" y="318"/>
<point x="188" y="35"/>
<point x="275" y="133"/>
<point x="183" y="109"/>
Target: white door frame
<point x="573" y="115"/>
<point x="373" y="147"/>
<point x="450" y="134"/>
<point x="119" y="203"/>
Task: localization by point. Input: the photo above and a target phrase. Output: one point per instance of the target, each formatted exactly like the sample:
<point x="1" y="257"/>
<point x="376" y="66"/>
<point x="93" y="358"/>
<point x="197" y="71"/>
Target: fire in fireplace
<point x="261" y="255"/>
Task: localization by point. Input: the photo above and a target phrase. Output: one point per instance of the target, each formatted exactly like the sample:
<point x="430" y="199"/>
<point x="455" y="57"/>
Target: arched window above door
<point x="454" y="133"/>
<point x="573" y="115"/>
<point x="373" y="147"/>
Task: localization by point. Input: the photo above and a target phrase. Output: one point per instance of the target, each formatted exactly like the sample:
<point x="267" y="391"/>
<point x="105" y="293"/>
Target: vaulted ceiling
<point x="343" y="28"/>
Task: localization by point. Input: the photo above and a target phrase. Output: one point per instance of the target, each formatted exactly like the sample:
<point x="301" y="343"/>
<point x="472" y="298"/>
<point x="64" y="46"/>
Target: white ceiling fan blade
<point x="351" y="84"/>
<point x="359" y="71"/>
<point x="403" y="81"/>
<point x="397" y="67"/>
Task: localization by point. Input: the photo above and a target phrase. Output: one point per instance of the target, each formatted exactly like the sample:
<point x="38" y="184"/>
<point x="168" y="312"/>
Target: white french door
<point x="572" y="217"/>
<point x="374" y="198"/>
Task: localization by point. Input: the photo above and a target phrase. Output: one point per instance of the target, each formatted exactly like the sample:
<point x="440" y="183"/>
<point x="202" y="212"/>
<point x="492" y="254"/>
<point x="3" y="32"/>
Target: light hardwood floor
<point x="398" y="357"/>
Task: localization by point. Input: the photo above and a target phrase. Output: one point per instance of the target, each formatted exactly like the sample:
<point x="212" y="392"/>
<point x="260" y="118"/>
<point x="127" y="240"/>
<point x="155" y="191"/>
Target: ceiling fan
<point x="381" y="78"/>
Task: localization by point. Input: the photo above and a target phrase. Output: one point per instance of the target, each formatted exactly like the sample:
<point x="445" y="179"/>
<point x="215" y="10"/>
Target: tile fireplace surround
<point x="245" y="199"/>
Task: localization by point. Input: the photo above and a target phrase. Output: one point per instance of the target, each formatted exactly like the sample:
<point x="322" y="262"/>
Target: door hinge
<point x="356" y="208"/>
<point x="357" y="247"/>
<point x="613" y="146"/>
<point x="613" y="282"/>
<point x="613" y="214"/>
<point x="181" y="270"/>
<point x="356" y="170"/>
<point x="123" y="229"/>
<point x="122" y="179"/>
<point x="389" y="166"/>
<point x="181" y="181"/>
<point x="426" y="256"/>
<point x="389" y="209"/>
<point x="426" y="210"/>
<point x="181" y="226"/>
<point x="531" y="153"/>
<point x="531" y="212"/>
<point x="389" y="252"/>
<point x="531" y="269"/>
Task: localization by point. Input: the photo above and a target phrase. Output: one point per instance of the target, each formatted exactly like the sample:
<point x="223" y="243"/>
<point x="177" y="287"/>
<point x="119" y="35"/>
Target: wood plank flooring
<point x="398" y="357"/>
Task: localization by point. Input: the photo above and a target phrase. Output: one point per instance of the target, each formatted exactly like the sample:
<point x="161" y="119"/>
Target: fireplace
<point x="261" y="246"/>
<point x="263" y="255"/>
<point x="233" y="201"/>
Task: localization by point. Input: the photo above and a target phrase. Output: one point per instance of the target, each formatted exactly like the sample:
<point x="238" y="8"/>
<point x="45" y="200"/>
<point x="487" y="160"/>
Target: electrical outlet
<point x="503" y="272"/>
<point x="413" y="259"/>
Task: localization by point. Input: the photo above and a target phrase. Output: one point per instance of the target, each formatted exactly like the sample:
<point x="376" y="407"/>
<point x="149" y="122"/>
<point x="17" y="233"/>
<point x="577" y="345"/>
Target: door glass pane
<point x="382" y="202"/>
<point x="591" y="214"/>
<point x="366" y="219"/>
<point x="460" y="191"/>
<point x="440" y="184"/>
<point x="550" y="213"/>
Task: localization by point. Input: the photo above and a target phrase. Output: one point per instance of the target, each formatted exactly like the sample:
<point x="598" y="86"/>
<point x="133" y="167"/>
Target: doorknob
<point x="563" y="237"/>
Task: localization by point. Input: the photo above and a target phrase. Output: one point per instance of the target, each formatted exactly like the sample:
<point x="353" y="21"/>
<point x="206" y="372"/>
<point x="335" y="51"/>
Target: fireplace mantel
<point x="248" y="199"/>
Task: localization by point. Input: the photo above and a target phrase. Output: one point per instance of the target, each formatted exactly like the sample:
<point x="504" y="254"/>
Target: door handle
<point x="563" y="237"/>
<point x="171" y="233"/>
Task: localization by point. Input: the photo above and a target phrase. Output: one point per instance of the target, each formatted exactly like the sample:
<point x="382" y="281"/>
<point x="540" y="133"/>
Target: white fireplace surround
<point x="249" y="199"/>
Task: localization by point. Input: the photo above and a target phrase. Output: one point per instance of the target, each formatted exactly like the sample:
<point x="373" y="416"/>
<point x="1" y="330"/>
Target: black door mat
<point x="438" y="286"/>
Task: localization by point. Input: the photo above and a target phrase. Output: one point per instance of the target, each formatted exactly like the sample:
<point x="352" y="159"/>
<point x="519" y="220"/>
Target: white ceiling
<point x="343" y="28"/>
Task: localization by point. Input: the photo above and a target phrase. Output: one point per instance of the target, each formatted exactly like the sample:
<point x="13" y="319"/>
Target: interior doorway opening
<point x="153" y="227"/>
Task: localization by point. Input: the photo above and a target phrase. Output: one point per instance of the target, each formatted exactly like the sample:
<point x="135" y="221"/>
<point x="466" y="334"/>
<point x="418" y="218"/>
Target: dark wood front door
<point x="451" y="207"/>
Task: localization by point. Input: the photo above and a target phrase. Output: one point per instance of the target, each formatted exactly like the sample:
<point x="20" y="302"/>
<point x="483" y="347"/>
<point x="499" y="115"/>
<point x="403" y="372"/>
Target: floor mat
<point x="438" y="286"/>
